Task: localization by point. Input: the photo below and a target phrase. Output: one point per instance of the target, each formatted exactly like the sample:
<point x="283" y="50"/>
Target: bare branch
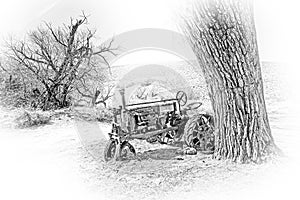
<point x="63" y="59"/>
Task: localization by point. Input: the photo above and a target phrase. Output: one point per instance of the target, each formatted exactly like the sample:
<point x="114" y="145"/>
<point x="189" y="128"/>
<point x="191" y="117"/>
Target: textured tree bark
<point x="223" y="36"/>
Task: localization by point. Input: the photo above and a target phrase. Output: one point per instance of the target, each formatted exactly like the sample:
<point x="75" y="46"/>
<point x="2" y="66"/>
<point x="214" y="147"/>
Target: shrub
<point x="12" y="93"/>
<point x="32" y="118"/>
<point x="104" y="115"/>
<point x="93" y="114"/>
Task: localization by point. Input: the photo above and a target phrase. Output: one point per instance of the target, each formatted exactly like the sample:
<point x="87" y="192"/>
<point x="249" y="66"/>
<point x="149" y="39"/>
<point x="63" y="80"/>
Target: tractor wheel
<point x="127" y="151"/>
<point x="111" y="149"/>
<point x="198" y="133"/>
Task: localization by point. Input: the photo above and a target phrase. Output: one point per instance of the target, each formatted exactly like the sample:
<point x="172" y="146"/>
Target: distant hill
<point x="166" y="79"/>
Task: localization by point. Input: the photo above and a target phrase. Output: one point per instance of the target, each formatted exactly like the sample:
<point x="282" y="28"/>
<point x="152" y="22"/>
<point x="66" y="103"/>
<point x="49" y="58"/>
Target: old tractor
<point x="165" y="121"/>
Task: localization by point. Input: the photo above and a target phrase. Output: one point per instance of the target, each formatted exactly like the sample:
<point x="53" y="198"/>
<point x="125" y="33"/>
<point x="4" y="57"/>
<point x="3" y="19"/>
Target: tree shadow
<point x="158" y="154"/>
<point x="169" y="153"/>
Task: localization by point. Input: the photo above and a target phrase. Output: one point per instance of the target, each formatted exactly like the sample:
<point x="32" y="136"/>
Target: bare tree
<point x="96" y="94"/>
<point x="222" y="34"/>
<point x="59" y="58"/>
<point x="101" y="97"/>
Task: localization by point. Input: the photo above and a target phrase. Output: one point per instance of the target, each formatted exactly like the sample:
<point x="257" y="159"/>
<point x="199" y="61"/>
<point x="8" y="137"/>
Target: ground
<point x="52" y="162"/>
<point x="64" y="160"/>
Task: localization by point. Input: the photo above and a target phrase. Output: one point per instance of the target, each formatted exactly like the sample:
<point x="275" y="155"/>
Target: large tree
<point x="223" y="37"/>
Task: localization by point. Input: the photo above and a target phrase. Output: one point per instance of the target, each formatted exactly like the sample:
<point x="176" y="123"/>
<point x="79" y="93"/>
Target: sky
<point x="276" y="21"/>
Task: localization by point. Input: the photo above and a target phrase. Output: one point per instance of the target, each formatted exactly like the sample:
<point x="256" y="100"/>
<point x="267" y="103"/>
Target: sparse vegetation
<point x="28" y="119"/>
<point x="54" y="66"/>
<point x="93" y="114"/>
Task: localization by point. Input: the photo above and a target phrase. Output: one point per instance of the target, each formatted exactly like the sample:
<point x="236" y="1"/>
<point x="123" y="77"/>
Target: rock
<point x="190" y="151"/>
<point x="187" y="151"/>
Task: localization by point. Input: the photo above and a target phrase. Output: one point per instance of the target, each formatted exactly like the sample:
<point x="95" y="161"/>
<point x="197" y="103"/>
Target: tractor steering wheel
<point x="181" y="98"/>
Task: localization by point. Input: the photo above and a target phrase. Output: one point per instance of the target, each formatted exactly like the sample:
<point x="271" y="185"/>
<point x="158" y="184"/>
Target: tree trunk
<point x="95" y="97"/>
<point x="223" y="36"/>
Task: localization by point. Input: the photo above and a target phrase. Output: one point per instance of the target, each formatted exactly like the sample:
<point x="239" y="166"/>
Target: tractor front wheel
<point x="111" y="149"/>
<point x="115" y="151"/>
<point x="127" y="151"/>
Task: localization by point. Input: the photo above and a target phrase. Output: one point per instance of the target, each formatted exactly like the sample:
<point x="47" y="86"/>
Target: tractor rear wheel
<point x="199" y="134"/>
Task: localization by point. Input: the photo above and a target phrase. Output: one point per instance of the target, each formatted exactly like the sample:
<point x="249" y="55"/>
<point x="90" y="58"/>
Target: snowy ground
<point x="55" y="162"/>
<point x="50" y="162"/>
